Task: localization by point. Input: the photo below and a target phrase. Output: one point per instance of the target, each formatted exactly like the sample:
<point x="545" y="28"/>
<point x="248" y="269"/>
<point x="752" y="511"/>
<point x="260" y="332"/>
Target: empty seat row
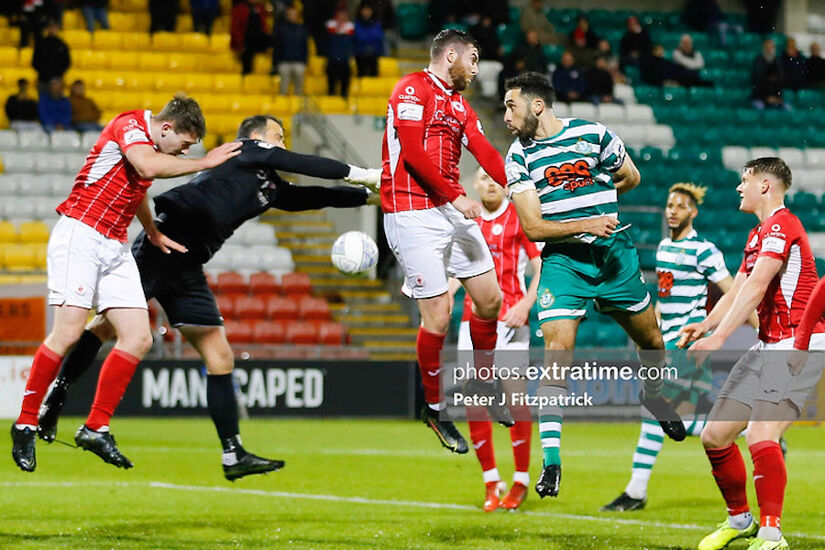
<point x="36" y="185"/>
<point x="734" y="157"/>
<point x="37" y="140"/>
<point x="263" y="283"/>
<point x="275" y="307"/>
<point x="252" y="258"/>
<point x="280" y="332"/>
<point x="23" y="257"/>
<point x="641" y="135"/>
<point x="41" y="162"/>
<point x="607" y="113"/>
<point x="24" y="233"/>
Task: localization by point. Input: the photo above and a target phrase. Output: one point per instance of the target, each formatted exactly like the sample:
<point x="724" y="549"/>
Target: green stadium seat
<point x="674" y="94"/>
<point x="412" y="21"/>
<point x="553" y="52"/>
<point x="515" y="14"/>
<point x="650" y="154"/>
<point x="716" y="59"/>
<point x="509" y="35"/>
<point x="808" y="99"/>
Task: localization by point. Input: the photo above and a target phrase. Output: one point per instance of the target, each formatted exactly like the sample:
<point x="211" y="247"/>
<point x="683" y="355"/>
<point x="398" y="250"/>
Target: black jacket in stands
<point x="203" y="213"/>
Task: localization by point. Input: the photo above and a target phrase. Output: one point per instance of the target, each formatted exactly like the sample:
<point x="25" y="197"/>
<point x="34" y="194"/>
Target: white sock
<point x="521" y="477"/>
<point x="741" y="521"/>
<point x="229" y="459"/>
<point x="491" y="475"/>
<point x="435" y="406"/>
<point x="769" y="533"/>
<point x="24" y="426"/>
<point x="637" y="488"/>
<point x="102" y="429"/>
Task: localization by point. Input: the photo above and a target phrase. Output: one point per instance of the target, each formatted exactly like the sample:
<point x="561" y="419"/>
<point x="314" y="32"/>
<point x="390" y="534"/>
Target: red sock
<point x="483" y="333"/>
<point x="770" y="478"/>
<point x="44" y="369"/>
<point x="520" y="435"/>
<point x="481" y="433"/>
<point x="731" y="477"/>
<point x="428" y="346"/>
<point x="115" y="375"/>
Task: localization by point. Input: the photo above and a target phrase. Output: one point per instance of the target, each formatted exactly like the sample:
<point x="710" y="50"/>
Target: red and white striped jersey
<point x="511" y="249"/>
<point x="782" y="236"/>
<point x="424" y="100"/>
<point x="108" y="190"/>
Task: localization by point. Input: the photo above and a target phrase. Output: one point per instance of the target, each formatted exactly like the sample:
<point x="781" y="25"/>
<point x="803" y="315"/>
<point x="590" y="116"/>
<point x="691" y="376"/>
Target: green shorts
<point x="572" y="274"/>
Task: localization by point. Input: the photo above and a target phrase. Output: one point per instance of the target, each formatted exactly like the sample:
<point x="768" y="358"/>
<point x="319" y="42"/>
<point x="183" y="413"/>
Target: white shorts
<point x="508" y="338"/>
<point x="89" y="270"/>
<point x="762" y="374"/>
<point x="434" y="244"/>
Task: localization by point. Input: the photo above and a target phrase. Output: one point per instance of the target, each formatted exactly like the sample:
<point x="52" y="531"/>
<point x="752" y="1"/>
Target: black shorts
<point x="179" y="286"/>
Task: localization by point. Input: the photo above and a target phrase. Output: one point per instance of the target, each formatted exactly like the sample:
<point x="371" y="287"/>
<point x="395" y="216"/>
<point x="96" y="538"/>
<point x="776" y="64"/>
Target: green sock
<point x="550" y="421"/>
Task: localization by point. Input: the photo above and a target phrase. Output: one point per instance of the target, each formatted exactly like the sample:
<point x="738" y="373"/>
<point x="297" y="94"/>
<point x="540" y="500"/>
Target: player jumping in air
<point x="776" y="278"/>
<point x="564" y="177"/>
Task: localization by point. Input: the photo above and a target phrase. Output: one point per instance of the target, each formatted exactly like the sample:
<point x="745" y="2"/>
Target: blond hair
<point x="695" y="192"/>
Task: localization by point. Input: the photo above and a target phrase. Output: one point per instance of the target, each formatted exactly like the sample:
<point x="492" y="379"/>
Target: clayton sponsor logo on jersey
<point x="571" y="175"/>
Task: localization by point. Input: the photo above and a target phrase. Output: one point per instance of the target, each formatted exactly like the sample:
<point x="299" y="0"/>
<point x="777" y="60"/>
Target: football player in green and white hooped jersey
<point x="685" y="264"/>
<point x="564" y="177"/>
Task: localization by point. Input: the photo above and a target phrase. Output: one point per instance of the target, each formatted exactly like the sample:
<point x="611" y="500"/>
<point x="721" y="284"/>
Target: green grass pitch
<point x="383" y="484"/>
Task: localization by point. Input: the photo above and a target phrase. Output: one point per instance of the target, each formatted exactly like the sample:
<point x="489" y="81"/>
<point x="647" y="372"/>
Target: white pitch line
<point x="439" y="506"/>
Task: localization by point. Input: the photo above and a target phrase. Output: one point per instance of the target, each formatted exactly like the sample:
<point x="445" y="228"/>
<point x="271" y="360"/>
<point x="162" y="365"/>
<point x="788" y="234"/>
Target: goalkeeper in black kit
<point x="202" y="215"/>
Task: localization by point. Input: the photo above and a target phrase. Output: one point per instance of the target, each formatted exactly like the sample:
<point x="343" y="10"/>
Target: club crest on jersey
<point x="457" y="105"/>
<point x="546" y="300"/>
<point x="498" y="229"/>
<point x="583" y="147"/>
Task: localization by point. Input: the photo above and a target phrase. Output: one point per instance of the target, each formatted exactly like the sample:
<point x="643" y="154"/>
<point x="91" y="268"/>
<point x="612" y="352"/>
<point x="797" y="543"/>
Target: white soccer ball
<point x="354" y="253"/>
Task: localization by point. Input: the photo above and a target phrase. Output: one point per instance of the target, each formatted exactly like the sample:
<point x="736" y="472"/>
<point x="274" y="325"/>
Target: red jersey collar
<point x="441" y="83"/>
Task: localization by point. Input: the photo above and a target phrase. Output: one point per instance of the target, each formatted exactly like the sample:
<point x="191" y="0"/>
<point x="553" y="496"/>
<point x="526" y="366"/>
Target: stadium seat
<point x="77" y="39"/>
<point x="8" y="232"/>
<point x="33" y="232"/>
<point x="332" y="334"/>
<point x="587" y="111"/>
<point x="241" y="332"/>
<point x="610" y="113"/>
<point x="269" y="332"/>
<point x="18" y="207"/>
<point x="262" y="284"/>
<point x="313" y="309"/>
<point x="226" y="305"/>
<point x="8" y="140"/>
<point x="281" y="308"/>
<point x="795" y="158"/>
<point x="249" y="307"/>
<point x="260" y="234"/>
<point x="815" y="158"/>
<point x="296" y="284"/>
<point x="107" y="40"/>
<point x="49" y="163"/>
<point x="273" y="258"/>
<point x="33" y="140"/>
<point x="232" y="282"/>
<point x="19" y="257"/>
<point x="299" y="332"/>
<point x="63" y="140"/>
<point x="734" y="157"/>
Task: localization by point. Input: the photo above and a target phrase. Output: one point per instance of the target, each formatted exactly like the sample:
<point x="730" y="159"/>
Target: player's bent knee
<point x="715" y="437"/>
<point x="489" y="308"/>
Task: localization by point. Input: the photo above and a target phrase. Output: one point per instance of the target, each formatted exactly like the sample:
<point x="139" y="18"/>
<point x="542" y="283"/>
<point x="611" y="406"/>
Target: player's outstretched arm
<point x="627" y="177"/>
<point x="166" y="245"/>
<point x="151" y="164"/>
<point x="319" y="167"/>
<point x="536" y="228"/>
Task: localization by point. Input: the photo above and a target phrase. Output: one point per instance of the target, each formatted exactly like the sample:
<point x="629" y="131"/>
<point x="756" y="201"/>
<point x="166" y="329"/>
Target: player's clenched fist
<point x="467" y="206"/>
<point x="602" y="226"/>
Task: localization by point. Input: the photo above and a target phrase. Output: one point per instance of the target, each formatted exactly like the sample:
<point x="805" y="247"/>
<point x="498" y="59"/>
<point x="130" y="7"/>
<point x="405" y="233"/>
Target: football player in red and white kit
<point x="776" y="278"/>
<point x="90" y="264"/>
<point x="428" y="219"/>
<point x="512" y="251"/>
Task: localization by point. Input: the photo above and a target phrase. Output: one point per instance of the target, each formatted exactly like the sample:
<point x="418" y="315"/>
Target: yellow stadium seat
<point x="210" y="140"/>
<point x="167" y="41"/>
<point x="388" y="66"/>
<point x="8" y="233"/>
<point x="73" y="20"/>
<point x="227" y="83"/>
<point x="258" y="83"/>
<point x="371" y="106"/>
<point x="90" y="59"/>
<point x="158" y="100"/>
<point x="8" y="56"/>
<point x="219" y="42"/>
<point x="262" y="63"/>
<point x="222" y="23"/>
<point x="40" y="251"/>
<point x="171" y="82"/>
<point x="137" y="80"/>
<point x="222" y="124"/>
<point x="316" y="85"/>
<point x="195" y="42"/>
<point x="198" y="82"/>
<point x="140" y="6"/>
<point x="332" y="105"/>
<point x="124" y="61"/>
<point x="183" y="62"/>
<point x="150" y="61"/>
<point x="26" y="55"/>
<point x="78" y="39"/>
<point x="10" y="76"/>
<point x="141" y="21"/>
<point x="376" y="86"/>
<point x="19" y="257"/>
<point x="10" y="37"/>
<point x="317" y="66"/>
<point x="221" y="63"/>
<point x="34" y="232"/>
<point x="214" y="103"/>
<point x="102" y="98"/>
<point x="136" y="41"/>
<point x="107" y="40"/>
<point x="184" y="23"/>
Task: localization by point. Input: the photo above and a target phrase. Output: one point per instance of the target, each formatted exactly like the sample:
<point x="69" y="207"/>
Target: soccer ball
<point x="354" y="253"/>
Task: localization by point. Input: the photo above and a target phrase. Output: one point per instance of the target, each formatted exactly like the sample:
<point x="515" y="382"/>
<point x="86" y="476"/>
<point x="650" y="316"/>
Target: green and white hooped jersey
<point x="685" y="267"/>
<point x="572" y="172"/>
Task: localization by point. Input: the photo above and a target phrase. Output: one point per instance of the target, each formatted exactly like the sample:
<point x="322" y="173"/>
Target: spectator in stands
<point x="706" y="16"/>
<point x="385" y="13"/>
<point x="533" y="19"/>
<point x="85" y="112"/>
<point x="600" y="83"/>
<point x="54" y="108"/>
<point x="369" y="41"/>
<point x="794" y="66"/>
<point x="486" y="35"/>
<point x="53" y="10"/>
<point x="762" y="15"/>
<point x="51" y="58"/>
<point x="686" y="56"/>
<point x="635" y="43"/>
<point x="163" y="15"/>
<point x="604" y="50"/>
<point x="584" y="55"/>
<point x="568" y="80"/>
<point x="21" y="108"/>
<point x="340" y="47"/>
<point x="32" y="18"/>
<point x="204" y="13"/>
<point x="249" y="33"/>
<point x="95" y="11"/>
<point x="656" y="70"/>
<point x="583" y="33"/>
<point x="767" y="79"/>
<point x="289" y="56"/>
<point x="816" y="67"/>
<point x="527" y="56"/>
